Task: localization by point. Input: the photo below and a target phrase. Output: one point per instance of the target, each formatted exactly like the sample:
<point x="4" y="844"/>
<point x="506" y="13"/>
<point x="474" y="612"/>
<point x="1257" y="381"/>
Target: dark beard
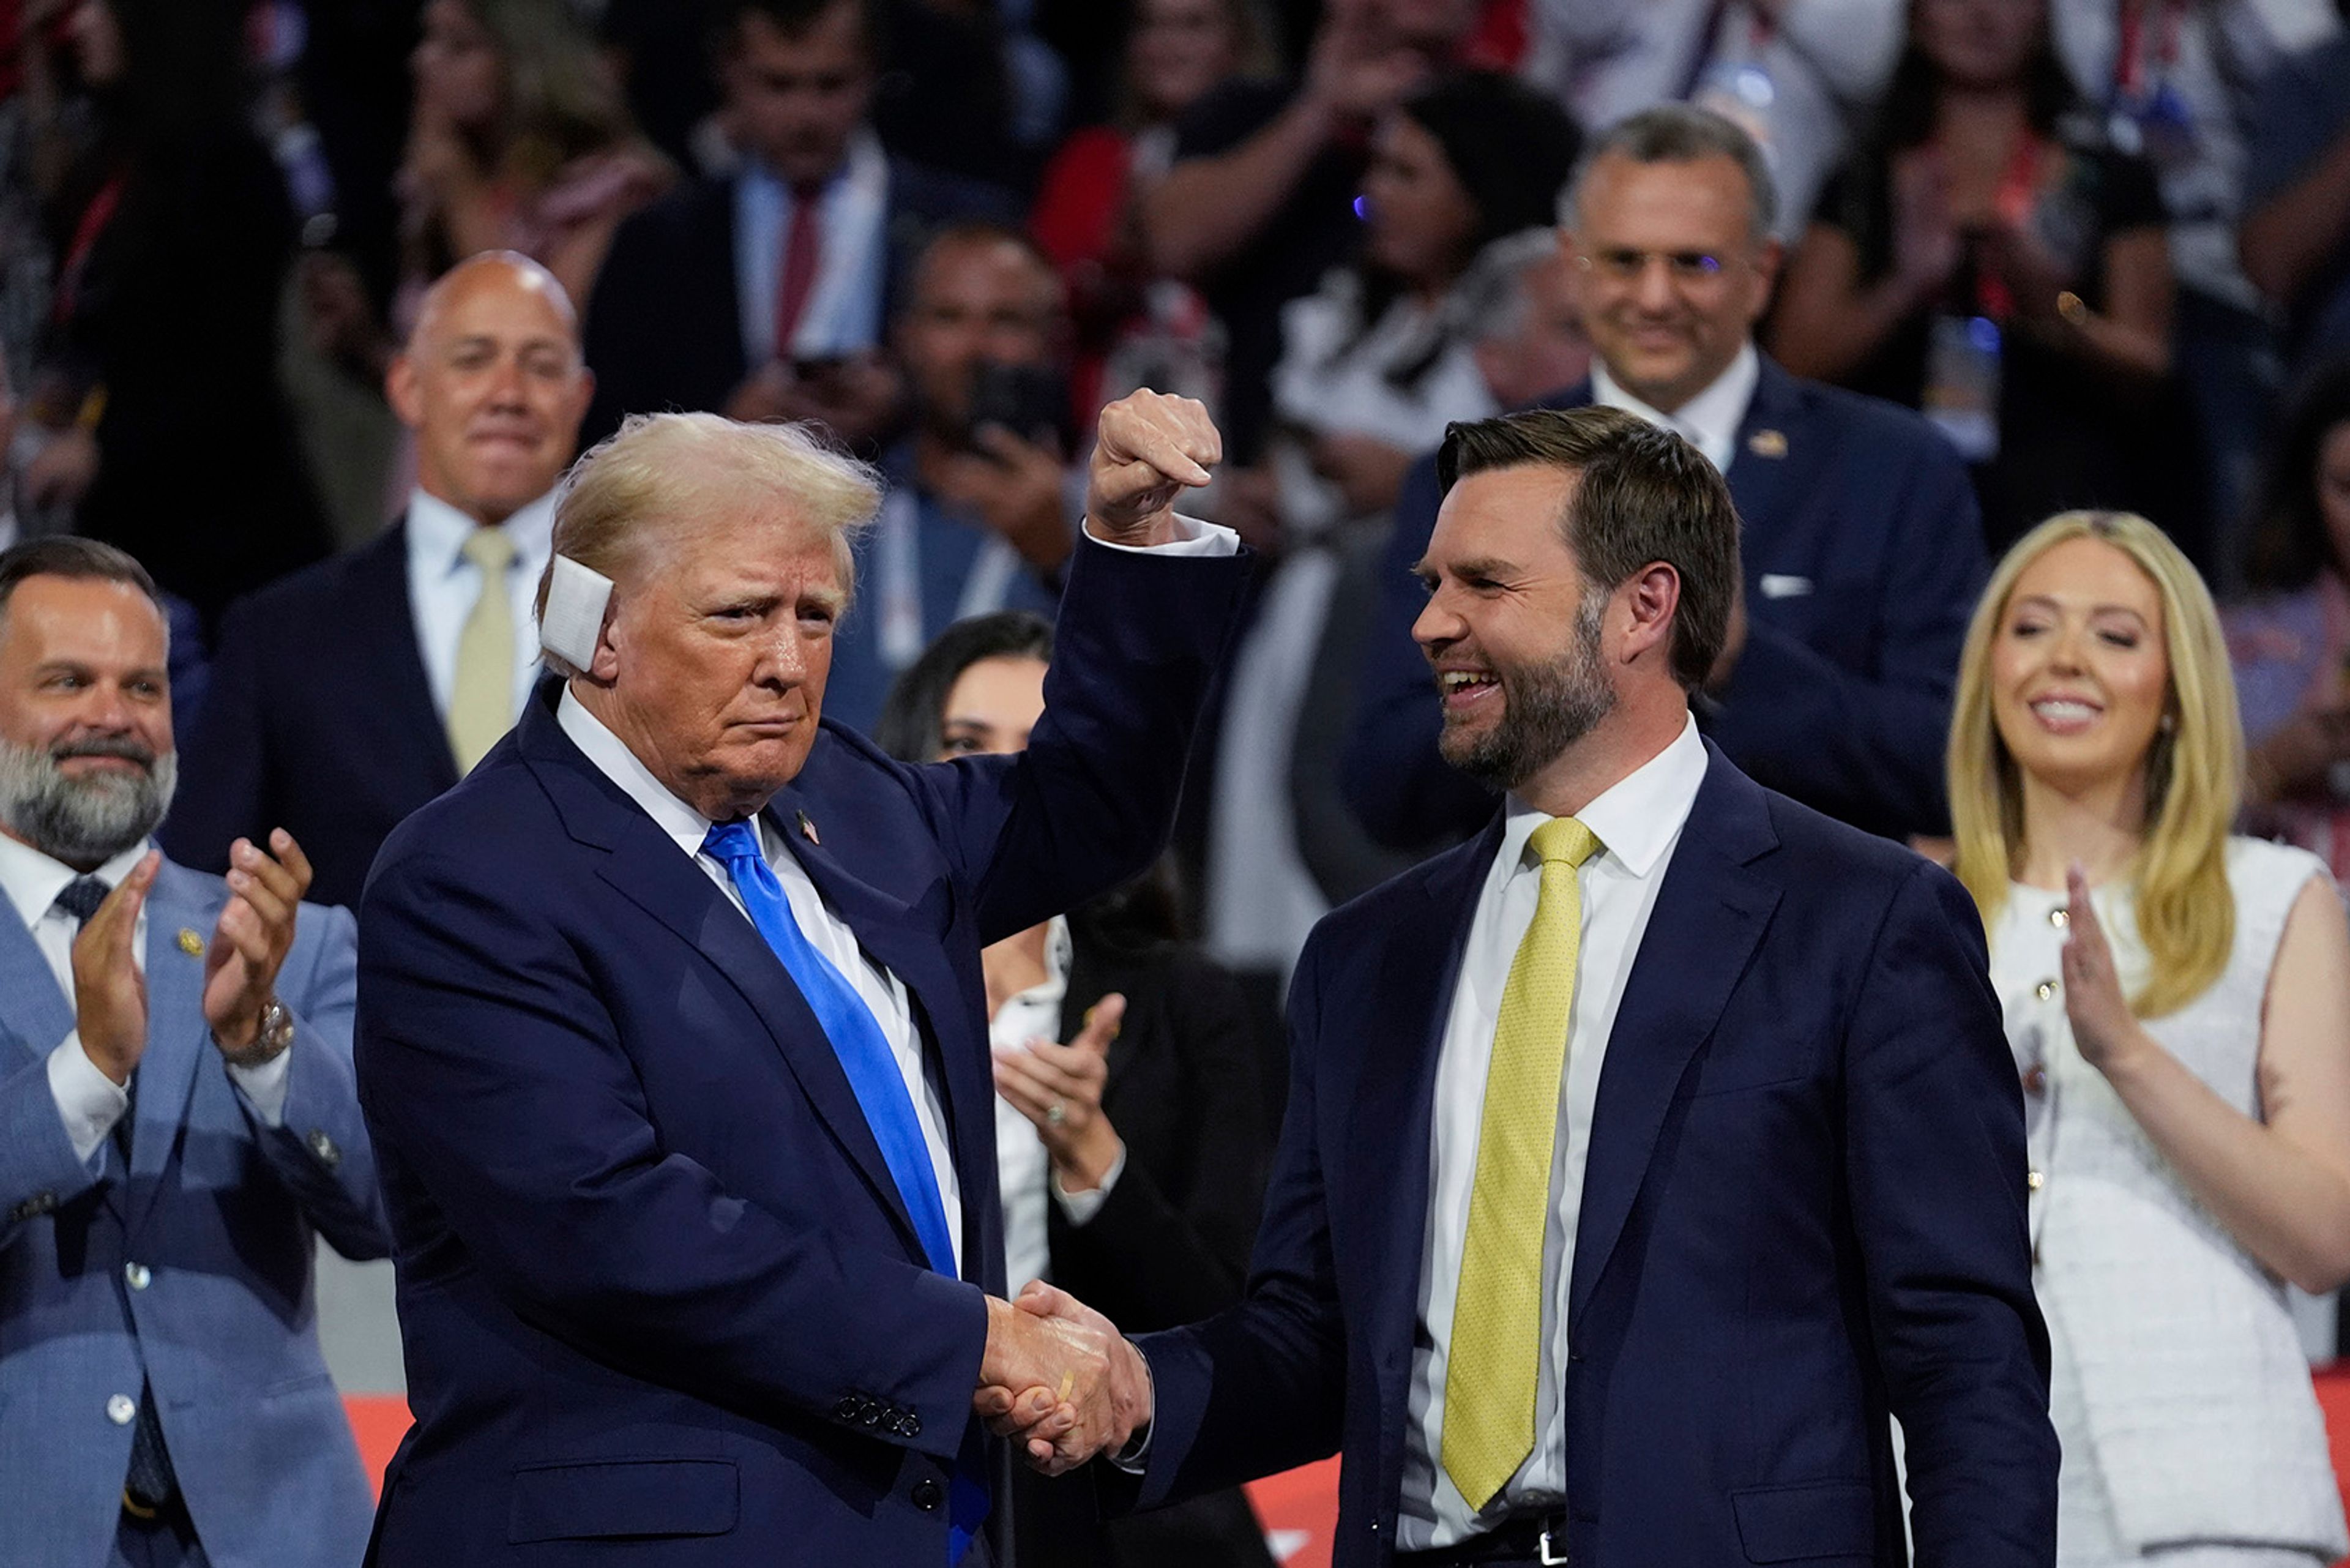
<point x="1546" y="708"/>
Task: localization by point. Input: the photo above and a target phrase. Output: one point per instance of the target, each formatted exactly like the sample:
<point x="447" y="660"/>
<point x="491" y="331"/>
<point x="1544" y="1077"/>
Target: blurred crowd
<point x="307" y="305"/>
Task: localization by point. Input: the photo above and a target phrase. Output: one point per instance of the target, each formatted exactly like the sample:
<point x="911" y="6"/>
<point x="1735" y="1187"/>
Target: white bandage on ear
<point x="575" y="597"/>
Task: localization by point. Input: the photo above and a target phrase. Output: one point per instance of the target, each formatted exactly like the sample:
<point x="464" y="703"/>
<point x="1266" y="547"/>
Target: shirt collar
<point x="612" y="758"/>
<point x="1710" y="420"/>
<point x="437" y="532"/>
<point x="1637" y="817"/>
<point x="32" y="880"/>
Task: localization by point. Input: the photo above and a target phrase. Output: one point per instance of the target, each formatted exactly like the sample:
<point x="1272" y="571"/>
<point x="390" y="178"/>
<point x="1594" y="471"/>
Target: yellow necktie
<point x="1496" y="1351"/>
<point x="481" y="702"/>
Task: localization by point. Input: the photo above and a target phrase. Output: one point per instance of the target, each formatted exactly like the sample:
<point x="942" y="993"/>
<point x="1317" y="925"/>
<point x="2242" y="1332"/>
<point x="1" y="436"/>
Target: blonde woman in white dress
<point x="2179" y="1004"/>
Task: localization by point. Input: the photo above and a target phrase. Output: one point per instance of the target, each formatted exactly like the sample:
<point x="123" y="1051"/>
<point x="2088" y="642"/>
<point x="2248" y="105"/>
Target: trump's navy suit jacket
<point x="1804" y="1209"/>
<point x="318" y="719"/>
<point x="1863" y="552"/>
<point x="661" y="1301"/>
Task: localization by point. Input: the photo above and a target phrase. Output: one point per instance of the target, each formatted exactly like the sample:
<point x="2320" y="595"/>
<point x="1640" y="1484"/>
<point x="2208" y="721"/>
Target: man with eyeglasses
<point x="1862" y="546"/>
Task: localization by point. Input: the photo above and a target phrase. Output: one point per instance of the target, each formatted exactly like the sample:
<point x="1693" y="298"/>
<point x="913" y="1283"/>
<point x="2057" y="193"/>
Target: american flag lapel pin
<point x="808" y="829"/>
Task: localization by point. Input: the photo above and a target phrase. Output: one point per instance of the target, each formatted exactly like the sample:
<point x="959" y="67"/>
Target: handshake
<point x="1058" y="1377"/>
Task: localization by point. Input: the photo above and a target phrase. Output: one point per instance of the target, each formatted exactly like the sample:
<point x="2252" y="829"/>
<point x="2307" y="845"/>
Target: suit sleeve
<point x="224" y="780"/>
<point x="1261" y="1388"/>
<point x="1868" y="749"/>
<point x="1405" y="795"/>
<point x="1934" y="1129"/>
<point x="494" y="1079"/>
<point x="1171" y="1245"/>
<point x="1091" y="801"/>
<point x="38" y="1169"/>
<point x="319" y="1149"/>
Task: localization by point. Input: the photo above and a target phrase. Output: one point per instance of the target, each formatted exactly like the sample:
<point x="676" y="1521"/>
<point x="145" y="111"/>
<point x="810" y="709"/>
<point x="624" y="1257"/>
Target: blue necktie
<point x="872" y="1071"/>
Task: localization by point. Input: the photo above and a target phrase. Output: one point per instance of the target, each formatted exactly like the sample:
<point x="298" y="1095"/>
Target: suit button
<point x="325" y="1148"/>
<point x="847" y="1408"/>
<point x="137" y="1274"/>
<point x="120" y="1409"/>
<point x="2045" y="990"/>
<point x="2034" y="1180"/>
<point x="927" y="1496"/>
<point x="909" y="1425"/>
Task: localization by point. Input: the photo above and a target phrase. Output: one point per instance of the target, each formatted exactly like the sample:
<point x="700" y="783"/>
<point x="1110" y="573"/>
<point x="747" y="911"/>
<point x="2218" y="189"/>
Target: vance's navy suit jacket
<point x="1864" y="553"/>
<point x="190" y="1269"/>
<point x="1804" y="1209"/>
<point x="318" y="719"/>
<point x="661" y="1301"/>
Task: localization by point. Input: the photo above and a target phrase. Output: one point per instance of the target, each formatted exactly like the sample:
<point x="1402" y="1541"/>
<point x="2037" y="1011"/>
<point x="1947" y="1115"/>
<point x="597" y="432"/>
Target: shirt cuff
<point x="264" y="1086"/>
<point x="1079" y="1207"/>
<point x="1193" y="537"/>
<point x="89" y="1102"/>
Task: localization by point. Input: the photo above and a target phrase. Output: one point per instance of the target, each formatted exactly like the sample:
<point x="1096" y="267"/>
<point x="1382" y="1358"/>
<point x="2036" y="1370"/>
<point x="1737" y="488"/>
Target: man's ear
<point x="1651" y="598"/>
<point x="401" y="390"/>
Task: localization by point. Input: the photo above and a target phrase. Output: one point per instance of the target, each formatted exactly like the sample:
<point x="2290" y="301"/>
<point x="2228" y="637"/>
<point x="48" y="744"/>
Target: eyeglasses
<point x="1623" y="265"/>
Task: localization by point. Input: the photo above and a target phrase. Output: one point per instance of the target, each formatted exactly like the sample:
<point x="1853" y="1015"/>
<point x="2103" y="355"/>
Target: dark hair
<point x="795" y="19"/>
<point x="2289" y="545"/>
<point x="1509" y="147"/>
<point x="909" y="726"/>
<point x="1913" y="97"/>
<point x="1682" y="133"/>
<point x="67" y="556"/>
<point x="1642" y="494"/>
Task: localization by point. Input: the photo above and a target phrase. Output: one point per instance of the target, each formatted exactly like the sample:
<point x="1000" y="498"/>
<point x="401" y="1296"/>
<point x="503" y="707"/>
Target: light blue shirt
<point x="843" y="313"/>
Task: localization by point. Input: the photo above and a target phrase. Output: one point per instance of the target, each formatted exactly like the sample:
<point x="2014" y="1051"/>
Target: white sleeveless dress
<point x="2179" y="1391"/>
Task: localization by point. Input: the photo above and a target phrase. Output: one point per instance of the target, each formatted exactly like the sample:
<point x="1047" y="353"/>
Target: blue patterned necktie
<point x="150" y="1482"/>
<point x="872" y="1071"/>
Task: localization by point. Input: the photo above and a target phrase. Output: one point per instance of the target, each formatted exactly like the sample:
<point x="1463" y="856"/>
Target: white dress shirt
<point x="883" y="993"/>
<point x="1707" y="421"/>
<point x="89" y="1102"/>
<point x="443" y="585"/>
<point x="843" y="313"/>
<point x="1638" y="821"/>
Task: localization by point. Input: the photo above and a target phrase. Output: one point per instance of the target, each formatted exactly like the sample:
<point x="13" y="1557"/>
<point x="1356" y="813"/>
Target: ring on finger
<point x="1057" y="1112"/>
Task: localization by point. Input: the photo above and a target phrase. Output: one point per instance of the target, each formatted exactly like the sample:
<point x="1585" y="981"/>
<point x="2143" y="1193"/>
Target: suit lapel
<point x="32" y="1008"/>
<point x="1772" y="439"/>
<point x="1389" y="1118"/>
<point x="177" y="1036"/>
<point x="384" y="623"/>
<point x="1708" y="916"/>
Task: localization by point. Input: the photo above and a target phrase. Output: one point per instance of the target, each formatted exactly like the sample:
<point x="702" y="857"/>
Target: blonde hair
<point x="660" y="474"/>
<point x="2194" y="769"/>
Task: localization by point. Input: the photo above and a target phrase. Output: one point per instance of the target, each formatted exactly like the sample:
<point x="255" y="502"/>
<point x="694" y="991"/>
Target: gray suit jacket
<point x="191" y="1271"/>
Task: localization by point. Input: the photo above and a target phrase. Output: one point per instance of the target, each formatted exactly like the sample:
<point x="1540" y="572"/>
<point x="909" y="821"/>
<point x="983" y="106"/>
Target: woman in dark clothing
<point x="1132" y="1161"/>
<point x="174" y="237"/>
<point x="1990" y="259"/>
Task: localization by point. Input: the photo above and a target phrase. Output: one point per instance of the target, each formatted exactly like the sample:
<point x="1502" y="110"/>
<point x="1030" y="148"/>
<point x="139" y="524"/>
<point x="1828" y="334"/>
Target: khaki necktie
<point x="1496" y="1351"/>
<point x="480" y="703"/>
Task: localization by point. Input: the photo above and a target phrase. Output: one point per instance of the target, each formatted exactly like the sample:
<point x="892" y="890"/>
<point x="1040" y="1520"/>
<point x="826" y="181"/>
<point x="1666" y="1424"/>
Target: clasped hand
<point x="1059" y="1378"/>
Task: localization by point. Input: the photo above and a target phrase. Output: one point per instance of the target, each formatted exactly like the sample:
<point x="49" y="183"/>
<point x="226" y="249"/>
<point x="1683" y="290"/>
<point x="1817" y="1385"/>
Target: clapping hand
<point x="2103" y="1025"/>
<point x="110" y="989"/>
<point x="1059" y="1377"/>
<point x="1147" y="449"/>
<point x="1059" y="1088"/>
<point x="254" y="934"/>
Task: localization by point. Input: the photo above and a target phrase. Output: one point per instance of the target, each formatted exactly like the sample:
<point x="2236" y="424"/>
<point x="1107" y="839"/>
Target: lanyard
<point x="2019" y="189"/>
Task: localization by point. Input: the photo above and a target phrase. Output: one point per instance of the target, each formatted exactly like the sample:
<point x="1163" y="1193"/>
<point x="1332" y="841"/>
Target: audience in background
<point x="159" y="379"/>
<point x="2178" y="1004"/>
<point x="2295" y="239"/>
<point x="2290" y="641"/>
<point x="764" y="293"/>
<point x="1087" y="206"/>
<point x="183" y="1126"/>
<point x="1374" y="364"/>
<point x="1132" y="1159"/>
<point x="980" y="513"/>
<point x="1259" y="205"/>
<point x="1861" y="545"/>
<point x="2176" y="84"/>
<point x="519" y="141"/>
<point x="1990" y="258"/>
<point x="349" y="694"/>
<point x="1796" y="75"/>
